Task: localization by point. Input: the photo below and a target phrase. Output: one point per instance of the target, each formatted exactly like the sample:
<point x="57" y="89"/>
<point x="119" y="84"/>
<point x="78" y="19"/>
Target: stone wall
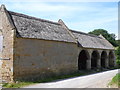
<point x="7" y="31"/>
<point x="40" y="58"/>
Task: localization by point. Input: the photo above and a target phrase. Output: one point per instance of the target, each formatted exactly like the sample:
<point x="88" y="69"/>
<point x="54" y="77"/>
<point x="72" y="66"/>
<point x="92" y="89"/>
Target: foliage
<point x="118" y="55"/>
<point x="109" y="37"/>
<point x="118" y="42"/>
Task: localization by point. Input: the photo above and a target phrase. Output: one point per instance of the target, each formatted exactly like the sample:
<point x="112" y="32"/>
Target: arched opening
<point x="111" y="59"/>
<point x="82" y="60"/>
<point x="94" y="59"/>
<point x="103" y="59"/>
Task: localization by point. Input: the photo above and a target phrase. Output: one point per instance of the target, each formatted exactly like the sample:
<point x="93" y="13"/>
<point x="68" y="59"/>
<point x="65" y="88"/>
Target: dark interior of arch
<point x="111" y="59"/>
<point x="82" y="60"/>
<point x="94" y="59"/>
<point x="103" y="59"/>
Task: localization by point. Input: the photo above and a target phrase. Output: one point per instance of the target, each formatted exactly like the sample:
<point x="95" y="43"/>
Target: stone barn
<point x="36" y="48"/>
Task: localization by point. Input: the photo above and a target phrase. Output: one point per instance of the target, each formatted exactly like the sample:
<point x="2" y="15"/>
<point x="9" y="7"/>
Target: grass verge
<point x="20" y="84"/>
<point x="17" y="85"/>
<point x="115" y="81"/>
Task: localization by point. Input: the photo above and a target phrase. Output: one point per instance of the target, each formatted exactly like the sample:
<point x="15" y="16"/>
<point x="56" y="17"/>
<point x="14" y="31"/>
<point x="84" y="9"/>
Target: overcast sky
<point x="80" y="16"/>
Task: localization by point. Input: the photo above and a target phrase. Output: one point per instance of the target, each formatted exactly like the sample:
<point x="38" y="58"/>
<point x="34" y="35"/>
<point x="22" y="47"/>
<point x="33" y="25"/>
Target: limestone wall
<point x="7" y="31"/>
<point x="39" y="58"/>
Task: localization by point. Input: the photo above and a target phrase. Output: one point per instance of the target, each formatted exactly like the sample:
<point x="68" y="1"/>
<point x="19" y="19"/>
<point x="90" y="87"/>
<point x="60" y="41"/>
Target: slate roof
<point x="31" y="27"/>
<point x="91" y="41"/>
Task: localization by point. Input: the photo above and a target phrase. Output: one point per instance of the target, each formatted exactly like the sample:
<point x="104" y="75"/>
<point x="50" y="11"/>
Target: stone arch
<point x="103" y="59"/>
<point x="82" y="60"/>
<point x="94" y="59"/>
<point x="111" y="59"/>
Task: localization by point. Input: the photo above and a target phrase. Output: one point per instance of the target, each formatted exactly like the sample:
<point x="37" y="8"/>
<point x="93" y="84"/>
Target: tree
<point x="109" y="37"/>
<point x="118" y="42"/>
<point x="118" y="55"/>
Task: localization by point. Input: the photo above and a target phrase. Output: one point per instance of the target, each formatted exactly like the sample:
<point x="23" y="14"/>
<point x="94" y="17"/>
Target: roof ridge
<point x="85" y="33"/>
<point x="31" y="17"/>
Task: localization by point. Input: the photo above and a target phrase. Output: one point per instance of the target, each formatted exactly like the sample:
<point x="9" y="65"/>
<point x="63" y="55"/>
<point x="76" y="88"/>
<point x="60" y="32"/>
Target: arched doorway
<point x="103" y="59"/>
<point x="111" y="59"/>
<point x="94" y="59"/>
<point x="82" y="60"/>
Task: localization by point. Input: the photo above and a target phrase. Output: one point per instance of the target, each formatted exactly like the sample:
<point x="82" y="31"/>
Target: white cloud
<point x="45" y="7"/>
<point x="84" y="16"/>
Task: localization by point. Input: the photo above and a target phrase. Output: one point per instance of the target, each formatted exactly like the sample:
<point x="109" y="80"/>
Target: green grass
<point x="115" y="80"/>
<point x="17" y="85"/>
